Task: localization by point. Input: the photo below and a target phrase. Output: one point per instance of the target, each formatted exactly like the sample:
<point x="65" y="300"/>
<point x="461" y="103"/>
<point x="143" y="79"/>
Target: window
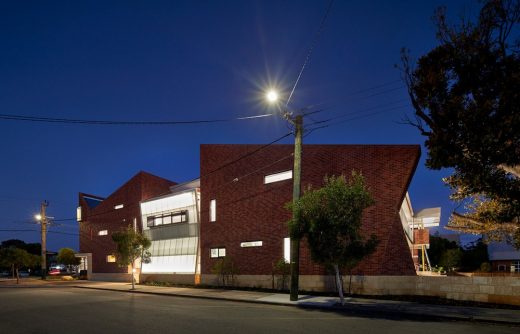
<point x="119" y="206"/>
<point x="78" y="213"/>
<point x="501" y="267"/>
<point x="515" y="267"/>
<point x="213" y="210"/>
<point x="287" y="249"/>
<point x="251" y="244"/>
<point x="102" y="232"/>
<point x="217" y="252"/>
<point x="171" y="218"/>
<point x="287" y="175"/>
<point x="111" y="258"/>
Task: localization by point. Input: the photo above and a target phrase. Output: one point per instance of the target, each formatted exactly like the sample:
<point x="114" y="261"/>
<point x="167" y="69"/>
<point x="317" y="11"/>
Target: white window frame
<point x="277" y="177"/>
<point x="213" y="210"/>
<point x="515" y="266"/>
<point x="247" y="244"/>
<point x="217" y="252"/>
<point x="102" y="232"/>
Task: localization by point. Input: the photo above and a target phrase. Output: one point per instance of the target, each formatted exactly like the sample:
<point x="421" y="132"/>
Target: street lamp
<point x="297" y="120"/>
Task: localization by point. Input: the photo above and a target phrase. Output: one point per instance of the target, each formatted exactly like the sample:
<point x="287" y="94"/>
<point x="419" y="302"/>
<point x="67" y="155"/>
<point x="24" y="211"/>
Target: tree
<point x="68" y="257"/>
<point x="451" y="258"/>
<point x="331" y="220"/>
<point x="17" y="258"/>
<point x="130" y="246"/>
<point x="439" y="245"/>
<point x="467" y="104"/>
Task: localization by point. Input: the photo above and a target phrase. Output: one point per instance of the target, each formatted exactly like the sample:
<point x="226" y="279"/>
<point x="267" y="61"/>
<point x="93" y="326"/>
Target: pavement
<point x="358" y="306"/>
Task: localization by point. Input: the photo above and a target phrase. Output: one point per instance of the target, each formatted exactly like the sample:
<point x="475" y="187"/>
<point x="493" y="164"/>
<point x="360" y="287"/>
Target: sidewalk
<point x="368" y="307"/>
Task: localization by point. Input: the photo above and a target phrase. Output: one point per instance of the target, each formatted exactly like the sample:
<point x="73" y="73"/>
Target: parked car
<point x="54" y="272"/>
<point x="23" y="273"/>
<point x="5" y="273"/>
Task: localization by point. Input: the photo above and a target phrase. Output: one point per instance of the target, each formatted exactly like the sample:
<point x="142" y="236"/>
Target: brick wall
<point x="421" y="237"/>
<point x="249" y="210"/>
<point x="104" y="217"/>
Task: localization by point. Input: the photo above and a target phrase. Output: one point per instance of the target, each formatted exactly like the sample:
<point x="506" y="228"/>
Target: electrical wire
<point x="106" y="122"/>
<point x="311" y="48"/>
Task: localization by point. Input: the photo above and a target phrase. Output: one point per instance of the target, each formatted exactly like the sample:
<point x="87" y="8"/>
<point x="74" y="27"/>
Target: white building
<point x="172" y="223"/>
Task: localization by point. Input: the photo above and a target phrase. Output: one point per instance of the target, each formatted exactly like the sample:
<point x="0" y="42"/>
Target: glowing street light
<point x="38" y="217"/>
<point x="272" y="96"/>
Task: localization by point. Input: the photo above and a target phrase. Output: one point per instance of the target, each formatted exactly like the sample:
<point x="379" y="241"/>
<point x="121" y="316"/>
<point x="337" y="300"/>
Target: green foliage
<point x="331" y="219"/>
<point x="438" y="246"/>
<point x="281" y="272"/>
<point x="485" y="267"/>
<point x="32" y="248"/>
<point x="226" y="270"/>
<point x="451" y="258"/>
<point x="67" y="257"/>
<point x="130" y="246"/>
<point x="465" y="96"/>
<point x="474" y="255"/>
<point x="17" y="258"/>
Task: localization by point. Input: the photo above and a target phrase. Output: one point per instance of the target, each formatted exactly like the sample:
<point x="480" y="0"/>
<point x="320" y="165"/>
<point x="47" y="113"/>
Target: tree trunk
<point x="339" y="285"/>
<point x="350" y="283"/>
<point x="133" y="273"/>
<point x="17" y="276"/>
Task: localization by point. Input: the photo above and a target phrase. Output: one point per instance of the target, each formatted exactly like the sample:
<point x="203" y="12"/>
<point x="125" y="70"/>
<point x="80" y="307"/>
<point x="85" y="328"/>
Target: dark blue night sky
<point x="191" y="60"/>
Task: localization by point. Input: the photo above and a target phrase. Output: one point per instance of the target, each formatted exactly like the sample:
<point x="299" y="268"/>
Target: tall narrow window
<point x="287" y="250"/>
<point x="213" y="210"/>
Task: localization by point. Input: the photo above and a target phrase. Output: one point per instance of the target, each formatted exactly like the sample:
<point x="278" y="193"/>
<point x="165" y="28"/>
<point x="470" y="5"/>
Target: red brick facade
<point x="249" y="210"/>
<point x="104" y="216"/>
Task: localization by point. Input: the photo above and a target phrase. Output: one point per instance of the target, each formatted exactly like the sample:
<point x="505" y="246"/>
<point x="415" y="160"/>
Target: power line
<point x="311" y="48"/>
<point x="107" y="122"/>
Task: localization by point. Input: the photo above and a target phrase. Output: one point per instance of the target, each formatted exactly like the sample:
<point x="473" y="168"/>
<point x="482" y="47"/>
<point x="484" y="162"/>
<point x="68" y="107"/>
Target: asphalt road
<point x="73" y="310"/>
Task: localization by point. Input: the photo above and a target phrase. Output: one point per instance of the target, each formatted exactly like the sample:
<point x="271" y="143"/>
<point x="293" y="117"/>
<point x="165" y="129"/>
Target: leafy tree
<point x="280" y="274"/>
<point x="474" y="255"/>
<point x="226" y="270"/>
<point x="17" y="258"/>
<point x="331" y="220"/>
<point x="467" y="104"/>
<point x="451" y="258"/>
<point x="130" y="246"/>
<point x="67" y="257"/>
<point x="33" y="248"/>
<point x="438" y="246"/>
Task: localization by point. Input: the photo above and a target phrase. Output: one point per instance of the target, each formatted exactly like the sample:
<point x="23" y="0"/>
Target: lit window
<point x="251" y="244"/>
<point x="78" y="213"/>
<point x="119" y="206"/>
<point x="287" y="249"/>
<point x="515" y="267"/>
<point x="173" y="218"/>
<point x="213" y="210"/>
<point x="287" y="175"/>
<point x="111" y="258"/>
<point x="217" y="252"/>
<point x="102" y="232"/>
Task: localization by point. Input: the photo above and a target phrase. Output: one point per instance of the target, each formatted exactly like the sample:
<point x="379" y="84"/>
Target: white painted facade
<point x="172" y="224"/>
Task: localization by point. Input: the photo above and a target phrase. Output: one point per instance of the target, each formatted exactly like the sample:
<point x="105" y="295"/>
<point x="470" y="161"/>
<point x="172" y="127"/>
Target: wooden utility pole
<point x="297" y="170"/>
<point x="43" y="225"/>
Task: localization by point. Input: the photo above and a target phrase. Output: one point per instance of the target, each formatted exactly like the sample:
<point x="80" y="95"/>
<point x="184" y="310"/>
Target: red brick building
<point x="243" y="214"/>
<point x="99" y="217"/>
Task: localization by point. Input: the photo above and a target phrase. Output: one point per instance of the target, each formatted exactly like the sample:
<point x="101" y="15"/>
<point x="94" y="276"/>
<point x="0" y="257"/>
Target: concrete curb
<point x="384" y="311"/>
